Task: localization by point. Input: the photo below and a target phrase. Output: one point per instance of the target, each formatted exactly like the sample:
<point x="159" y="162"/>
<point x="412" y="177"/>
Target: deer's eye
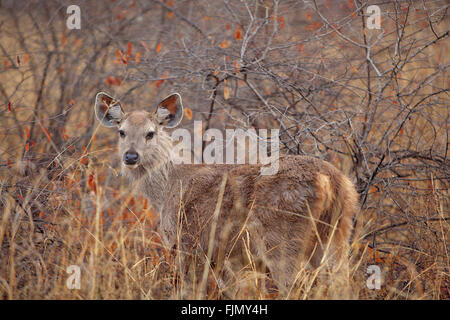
<point x="149" y="135"/>
<point x="122" y="134"/>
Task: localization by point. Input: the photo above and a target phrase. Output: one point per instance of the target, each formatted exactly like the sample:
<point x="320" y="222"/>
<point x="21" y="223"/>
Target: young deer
<point x="296" y="217"/>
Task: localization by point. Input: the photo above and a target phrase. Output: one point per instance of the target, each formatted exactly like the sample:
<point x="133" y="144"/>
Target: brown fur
<point x="287" y="220"/>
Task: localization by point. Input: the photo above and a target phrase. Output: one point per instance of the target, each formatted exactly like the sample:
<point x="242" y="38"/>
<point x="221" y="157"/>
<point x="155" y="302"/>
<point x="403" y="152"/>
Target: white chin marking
<point x="130" y="166"/>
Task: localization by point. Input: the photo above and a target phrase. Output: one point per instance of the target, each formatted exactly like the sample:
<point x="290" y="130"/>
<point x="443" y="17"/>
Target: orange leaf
<point x="314" y="26"/>
<point x="63" y="39"/>
<point x="226" y="93"/>
<point x="281" y="21"/>
<point x="159" y="83"/>
<point x="25" y="58"/>
<point x="130" y="48"/>
<point x="300" y="47"/>
<point x="158" y="48"/>
<point x="137" y="57"/>
<point x="355" y="70"/>
<point x="238" y="33"/>
<point x="224" y="44"/>
<point x="188" y="113"/>
<point x="308" y="16"/>
<point x="170" y="14"/>
<point x="47" y="134"/>
<point x="27" y="146"/>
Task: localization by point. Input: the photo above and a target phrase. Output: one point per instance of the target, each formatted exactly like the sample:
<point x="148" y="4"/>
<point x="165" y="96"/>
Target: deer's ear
<point x="108" y="110"/>
<point x="170" y="111"/>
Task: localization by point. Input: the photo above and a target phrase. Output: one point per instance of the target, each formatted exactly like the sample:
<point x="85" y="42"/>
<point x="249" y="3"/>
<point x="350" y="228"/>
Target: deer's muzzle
<point x="130" y="157"/>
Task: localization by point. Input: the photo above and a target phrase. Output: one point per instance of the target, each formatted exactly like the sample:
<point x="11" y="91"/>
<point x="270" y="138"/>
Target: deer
<point x="301" y="215"/>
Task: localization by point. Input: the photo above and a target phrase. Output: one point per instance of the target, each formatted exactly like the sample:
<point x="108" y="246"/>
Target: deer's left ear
<point x="170" y="111"/>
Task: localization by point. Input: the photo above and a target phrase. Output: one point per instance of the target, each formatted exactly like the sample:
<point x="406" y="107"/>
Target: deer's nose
<point x="130" y="157"/>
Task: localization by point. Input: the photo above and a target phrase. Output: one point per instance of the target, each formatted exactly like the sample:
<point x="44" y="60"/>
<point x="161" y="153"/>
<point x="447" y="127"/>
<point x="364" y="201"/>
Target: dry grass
<point x="112" y="236"/>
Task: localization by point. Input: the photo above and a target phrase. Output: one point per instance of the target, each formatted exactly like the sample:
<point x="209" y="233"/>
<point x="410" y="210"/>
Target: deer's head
<point x="143" y="142"/>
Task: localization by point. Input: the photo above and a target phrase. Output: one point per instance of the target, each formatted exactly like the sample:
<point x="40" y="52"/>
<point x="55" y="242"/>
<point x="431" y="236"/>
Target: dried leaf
<point x="159" y="83"/>
<point x="224" y="44"/>
<point x="158" y="48"/>
<point x="63" y="39"/>
<point x="137" y="57"/>
<point x="130" y="48"/>
<point x="188" y="113"/>
<point x="351" y="5"/>
<point x="47" y="134"/>
<point x="226" y="93"/>
<point x="238" y="33"/>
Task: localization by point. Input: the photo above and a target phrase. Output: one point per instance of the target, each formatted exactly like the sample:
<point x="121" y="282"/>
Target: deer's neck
<point x="156" y="184"/>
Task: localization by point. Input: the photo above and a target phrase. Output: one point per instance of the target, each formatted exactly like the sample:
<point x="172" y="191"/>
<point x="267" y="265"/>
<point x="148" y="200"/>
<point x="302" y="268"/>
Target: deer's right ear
<point x="108" y="110"/>
<point x="170" y="111"/>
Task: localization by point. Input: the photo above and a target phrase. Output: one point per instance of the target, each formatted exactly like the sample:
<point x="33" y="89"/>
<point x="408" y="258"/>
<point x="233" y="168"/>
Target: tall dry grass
<point x="99" y="225"/>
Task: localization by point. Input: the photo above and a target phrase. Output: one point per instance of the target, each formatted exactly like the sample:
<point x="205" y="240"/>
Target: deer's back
<point x="276" y="210"/>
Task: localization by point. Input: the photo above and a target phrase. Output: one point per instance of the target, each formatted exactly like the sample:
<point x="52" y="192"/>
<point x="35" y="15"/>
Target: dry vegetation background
<point x="375" y="103"/>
